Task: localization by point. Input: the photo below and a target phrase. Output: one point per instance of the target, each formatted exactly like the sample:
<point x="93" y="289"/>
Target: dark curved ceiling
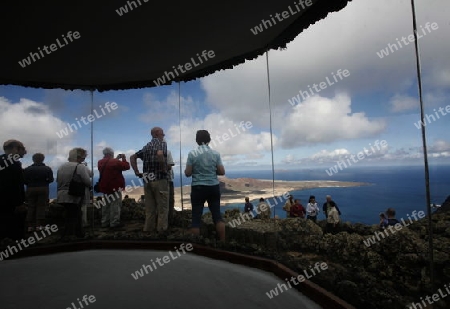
<point x="132" y="50"/>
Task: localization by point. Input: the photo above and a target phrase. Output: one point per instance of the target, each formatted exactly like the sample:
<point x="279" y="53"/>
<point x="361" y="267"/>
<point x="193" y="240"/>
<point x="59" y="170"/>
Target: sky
<point x="368" y="100"/>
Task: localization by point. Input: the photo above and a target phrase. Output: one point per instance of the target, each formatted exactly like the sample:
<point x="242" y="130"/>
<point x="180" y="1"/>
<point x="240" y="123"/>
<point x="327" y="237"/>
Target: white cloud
<point x="348" y="39"/>
<point x="322" y="120"/>
<point x="33" y="124"/>
<point x="400" y="103"/>
<point x="347" y="111"/>
<point x="168" y="108"/>
<point x="233" y="140"/>
<point x="439" y="148"/>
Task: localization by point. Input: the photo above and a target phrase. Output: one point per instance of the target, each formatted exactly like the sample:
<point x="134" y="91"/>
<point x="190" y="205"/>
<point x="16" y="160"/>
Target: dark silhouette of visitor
<point x="248" y="206"/>
<point x="37" y="178"/>
<point x="390" y="212"/>
<point x="13" y="209"/>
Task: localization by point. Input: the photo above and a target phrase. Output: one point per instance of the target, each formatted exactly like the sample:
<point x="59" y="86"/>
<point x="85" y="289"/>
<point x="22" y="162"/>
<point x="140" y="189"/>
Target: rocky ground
<point x="390" y="273"/>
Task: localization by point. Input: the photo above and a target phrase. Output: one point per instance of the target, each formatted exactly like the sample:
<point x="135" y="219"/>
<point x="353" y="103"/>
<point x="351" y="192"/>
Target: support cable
<point x="91" y="194"/>
<point x="271" y="147"/>
<point x="181" y="172"/>
<point x="424" y="142"/>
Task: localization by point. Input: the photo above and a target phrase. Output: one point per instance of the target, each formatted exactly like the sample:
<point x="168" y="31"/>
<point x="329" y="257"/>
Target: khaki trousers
<point x="156" y="205"/>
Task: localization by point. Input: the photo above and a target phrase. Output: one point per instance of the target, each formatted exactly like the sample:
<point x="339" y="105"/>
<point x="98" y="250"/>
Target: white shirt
<point x="170" y="162"/>
<point x="312" y="209"/>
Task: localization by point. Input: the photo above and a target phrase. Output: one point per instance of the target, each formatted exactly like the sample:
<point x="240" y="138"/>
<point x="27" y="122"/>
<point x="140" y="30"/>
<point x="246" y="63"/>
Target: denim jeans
<point x="200" y="195"/>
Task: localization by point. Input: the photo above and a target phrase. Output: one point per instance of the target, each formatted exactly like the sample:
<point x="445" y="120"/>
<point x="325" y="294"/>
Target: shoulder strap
<point x="75" y="170"/>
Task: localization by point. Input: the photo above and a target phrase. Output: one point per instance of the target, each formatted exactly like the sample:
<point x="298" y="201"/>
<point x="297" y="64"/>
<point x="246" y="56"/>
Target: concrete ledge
<point x="311" y="290"/>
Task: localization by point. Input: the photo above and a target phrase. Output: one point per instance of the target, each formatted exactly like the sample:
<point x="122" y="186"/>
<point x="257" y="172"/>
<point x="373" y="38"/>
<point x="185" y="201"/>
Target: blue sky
<point x="378" y="100"/>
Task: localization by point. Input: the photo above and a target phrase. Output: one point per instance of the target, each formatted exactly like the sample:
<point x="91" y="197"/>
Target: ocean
<point x="399" y="187"/>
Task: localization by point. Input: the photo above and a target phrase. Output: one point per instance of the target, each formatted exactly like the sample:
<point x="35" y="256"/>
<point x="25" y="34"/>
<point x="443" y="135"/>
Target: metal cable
<point x="92" y="160"/>
<point x="424" y="142"/>
<point x="181" y="172"/>
<point x="271" y="150"/>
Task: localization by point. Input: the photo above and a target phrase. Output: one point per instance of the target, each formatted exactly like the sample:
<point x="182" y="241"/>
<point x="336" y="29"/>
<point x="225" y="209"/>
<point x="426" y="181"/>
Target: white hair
<point x="108" y="150"/>
<point x="75" y="153"/>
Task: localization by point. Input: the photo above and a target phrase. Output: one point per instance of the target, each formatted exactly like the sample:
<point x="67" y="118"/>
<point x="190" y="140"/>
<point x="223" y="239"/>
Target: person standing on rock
<point x="287" y="207"/>
<point x="383" y="221"/>
<point x="204" y="164"/>
<point x="391" y="220"/>
<point x="327" y="206"/>
<point x="248" y="206"/>
<point x="312" y="210"/>
<point x="263" y="210"/>
<point x="333" y="220"/>
<point x="297" y="210"/>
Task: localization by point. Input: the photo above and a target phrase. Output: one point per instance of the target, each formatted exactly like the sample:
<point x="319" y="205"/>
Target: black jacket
<point x="12" y="191"/>
<point x="38" y="175"/>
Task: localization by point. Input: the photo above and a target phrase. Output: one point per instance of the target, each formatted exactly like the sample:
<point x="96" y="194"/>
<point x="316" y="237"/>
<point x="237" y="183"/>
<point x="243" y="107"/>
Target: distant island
<point x="236" y="189"/>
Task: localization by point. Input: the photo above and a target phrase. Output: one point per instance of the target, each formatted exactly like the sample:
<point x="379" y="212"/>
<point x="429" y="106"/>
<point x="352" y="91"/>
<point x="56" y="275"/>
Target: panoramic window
<point x="321" y="144"/>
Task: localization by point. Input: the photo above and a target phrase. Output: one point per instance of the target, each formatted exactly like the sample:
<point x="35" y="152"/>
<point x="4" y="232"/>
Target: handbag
<point x="97" y="184"/>
<point x="76" y="186"/>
